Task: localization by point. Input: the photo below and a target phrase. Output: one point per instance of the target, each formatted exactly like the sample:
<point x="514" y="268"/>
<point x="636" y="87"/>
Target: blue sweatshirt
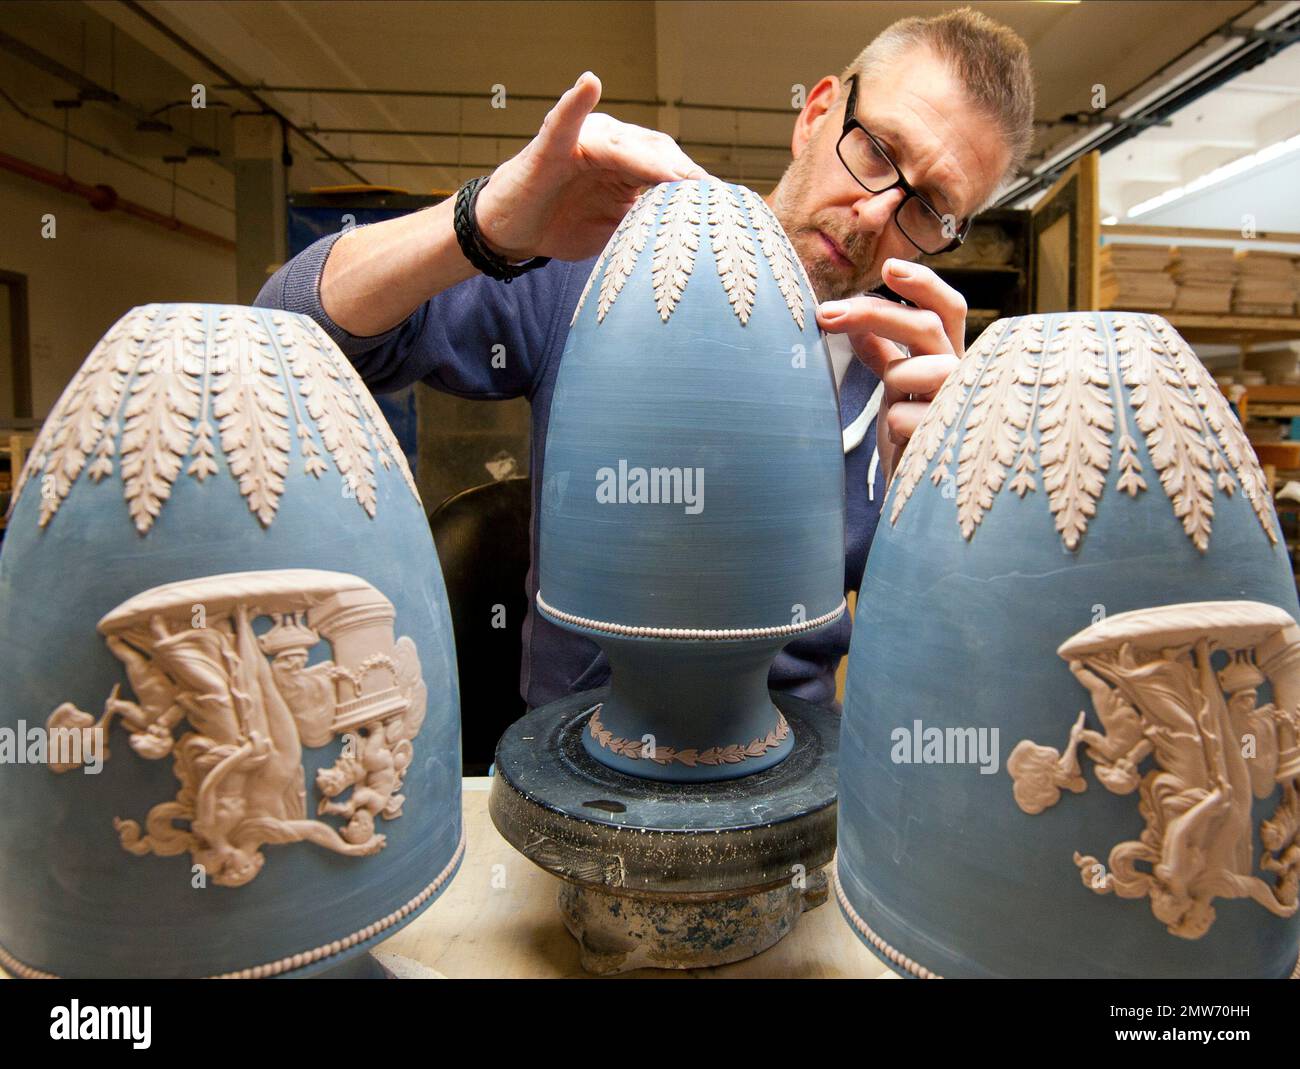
<point x="449" y="343"/>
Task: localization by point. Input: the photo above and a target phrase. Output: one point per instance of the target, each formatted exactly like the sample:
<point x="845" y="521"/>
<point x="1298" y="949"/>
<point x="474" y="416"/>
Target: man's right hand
<point x="566" y="192"/>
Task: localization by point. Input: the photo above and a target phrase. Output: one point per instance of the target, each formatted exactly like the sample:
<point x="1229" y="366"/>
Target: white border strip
<point x="688" y="634"/>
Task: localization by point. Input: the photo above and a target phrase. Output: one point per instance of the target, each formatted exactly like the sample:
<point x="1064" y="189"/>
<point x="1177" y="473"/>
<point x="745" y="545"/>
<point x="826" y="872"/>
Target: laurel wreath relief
<point x="1031" y="402"/>
<point x="731" y="754"/>
<point x="168" y="383"/>
<point x="739" y="226"/>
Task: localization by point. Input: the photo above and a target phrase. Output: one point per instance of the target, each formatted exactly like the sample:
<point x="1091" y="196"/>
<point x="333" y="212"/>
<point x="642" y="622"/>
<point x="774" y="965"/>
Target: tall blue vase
<point x="692" y="513"/>
<point x="229" y="730"/>
<point x="1069" y="744"/>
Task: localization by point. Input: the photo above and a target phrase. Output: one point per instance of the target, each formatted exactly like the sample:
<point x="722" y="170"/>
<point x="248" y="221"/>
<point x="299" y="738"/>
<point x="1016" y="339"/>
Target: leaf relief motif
<point x="939" y="417"/>
<point x="777" y="251"/>
<point x="675" y="247"/>
<point x="331" y="405"/>
<point x="998" y="410"/>
<point x="623" y="250"/>
<point x="249" y="403"/>
<point x="160" y="412"/>
<point x="385" y="441"/>
<point x="82" y="422"/>
<point x="1075" y="422"/>
<point x="1171" y="423"/>
<point x="1220" y="419"/>
<point x="733" y="250"/>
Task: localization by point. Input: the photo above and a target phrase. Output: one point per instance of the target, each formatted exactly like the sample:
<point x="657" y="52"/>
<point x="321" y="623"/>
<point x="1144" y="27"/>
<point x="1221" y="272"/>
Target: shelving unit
<point x="999" y="288"/>
<point x="1245" y="331"/>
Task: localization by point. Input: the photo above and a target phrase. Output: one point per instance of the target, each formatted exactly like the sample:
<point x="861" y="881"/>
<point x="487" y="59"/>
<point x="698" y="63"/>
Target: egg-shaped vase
<point x="1069" y="744"/>
<point x="229" y="728"/>
<point x="692" y="509"/>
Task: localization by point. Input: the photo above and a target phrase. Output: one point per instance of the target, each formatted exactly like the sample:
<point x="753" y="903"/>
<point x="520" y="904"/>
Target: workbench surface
<point x="499" y="919"/>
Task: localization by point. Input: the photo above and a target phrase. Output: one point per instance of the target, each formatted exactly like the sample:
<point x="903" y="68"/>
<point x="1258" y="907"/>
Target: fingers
<point x="920" y="376"/>
<point x="637" y="155"/>
<point x="563" y="123"/>
<point x="876" y="352"/>
<point x="920" y="285"/>
<point x="919" y="329"/>
<point x="910" y="386"/>
<point x="903" y="418"/>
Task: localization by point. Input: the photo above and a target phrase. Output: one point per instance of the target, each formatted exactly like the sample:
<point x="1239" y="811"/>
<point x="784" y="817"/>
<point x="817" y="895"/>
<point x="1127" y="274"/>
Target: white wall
<point x="99" y="265"/>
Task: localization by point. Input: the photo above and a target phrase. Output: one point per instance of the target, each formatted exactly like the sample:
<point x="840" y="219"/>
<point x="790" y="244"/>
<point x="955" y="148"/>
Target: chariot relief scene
<point x="1177" y="692"/>
<point x="233" y="703"/>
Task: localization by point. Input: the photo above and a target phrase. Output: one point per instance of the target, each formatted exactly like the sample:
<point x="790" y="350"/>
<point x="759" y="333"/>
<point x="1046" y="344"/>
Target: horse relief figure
<point x="240" y="763"/>
<point x="1157" y="693"/>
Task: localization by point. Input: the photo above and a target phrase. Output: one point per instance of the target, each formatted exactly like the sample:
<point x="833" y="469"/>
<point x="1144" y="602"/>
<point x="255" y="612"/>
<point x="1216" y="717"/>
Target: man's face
<point x="943" y="146"/>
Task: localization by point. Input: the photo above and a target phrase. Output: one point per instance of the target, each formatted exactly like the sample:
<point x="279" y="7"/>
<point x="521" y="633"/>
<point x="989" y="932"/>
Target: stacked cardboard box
<point x="1205" y="276"/>
<point x="1134" y="276"/>
<point x="1265" y="284"/>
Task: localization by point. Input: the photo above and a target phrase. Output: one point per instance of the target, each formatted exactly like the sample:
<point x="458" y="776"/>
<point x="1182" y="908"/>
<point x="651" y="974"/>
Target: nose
<point x="874" y="212"/>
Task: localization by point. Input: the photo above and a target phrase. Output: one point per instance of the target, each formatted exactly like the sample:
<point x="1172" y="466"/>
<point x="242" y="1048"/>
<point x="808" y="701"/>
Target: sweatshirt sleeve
<point x="479" y="339"/>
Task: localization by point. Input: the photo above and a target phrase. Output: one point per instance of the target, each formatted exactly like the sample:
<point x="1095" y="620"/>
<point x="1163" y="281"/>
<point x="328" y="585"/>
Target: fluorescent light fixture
<point x="1219" y="174"/>
<point x="1110" y="220"/>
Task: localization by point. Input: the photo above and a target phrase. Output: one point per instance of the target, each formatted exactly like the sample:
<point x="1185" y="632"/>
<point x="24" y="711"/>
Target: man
<point x="942" y="113"/>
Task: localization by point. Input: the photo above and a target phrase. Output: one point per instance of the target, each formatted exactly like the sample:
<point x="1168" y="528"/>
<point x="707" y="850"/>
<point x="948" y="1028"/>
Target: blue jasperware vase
<point x="692" y="507"/>
<point x="229" y="730"/>
<point x="1069" y="744"/>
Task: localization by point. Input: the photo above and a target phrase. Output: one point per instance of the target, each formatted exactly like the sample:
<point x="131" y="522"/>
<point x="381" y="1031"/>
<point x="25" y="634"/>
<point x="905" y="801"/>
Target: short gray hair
<point x="988" y="59"/>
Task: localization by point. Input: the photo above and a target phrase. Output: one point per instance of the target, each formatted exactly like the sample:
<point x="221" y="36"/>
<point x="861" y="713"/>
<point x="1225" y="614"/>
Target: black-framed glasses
<point x="871" y="166"/>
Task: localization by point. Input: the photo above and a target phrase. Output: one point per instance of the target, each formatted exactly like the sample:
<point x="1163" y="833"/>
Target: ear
<point x="821" y="102"/>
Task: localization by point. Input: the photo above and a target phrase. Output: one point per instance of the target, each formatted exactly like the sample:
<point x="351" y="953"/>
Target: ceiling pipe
<point x="91" y="91"/>
<point x="104" y="198"/>
<point x="194" y="53"/>
<point x="108" y="153"/>
<point x="455" y="164"/>
<point x="371" y="131"/>
<point x="539" y="98"/>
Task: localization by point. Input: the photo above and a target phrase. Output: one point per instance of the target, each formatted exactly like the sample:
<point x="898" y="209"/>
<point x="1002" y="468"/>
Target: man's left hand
<point x="933" y="332"/>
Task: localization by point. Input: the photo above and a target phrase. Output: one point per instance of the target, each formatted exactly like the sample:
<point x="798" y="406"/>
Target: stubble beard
<point x="830" y="281"/>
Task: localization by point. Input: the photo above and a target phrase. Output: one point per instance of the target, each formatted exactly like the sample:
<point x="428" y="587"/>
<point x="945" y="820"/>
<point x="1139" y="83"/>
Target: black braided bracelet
<point x="471" y="240"/>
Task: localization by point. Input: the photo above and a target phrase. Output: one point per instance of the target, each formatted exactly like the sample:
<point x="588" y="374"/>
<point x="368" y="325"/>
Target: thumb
<point x="563" y="123"/>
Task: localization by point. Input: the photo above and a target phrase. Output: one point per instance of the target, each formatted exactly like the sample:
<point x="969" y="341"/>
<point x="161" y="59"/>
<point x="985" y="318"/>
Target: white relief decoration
<point x="786" y="266"/>
<point x="733" y="250"/>
<point x="87" y="409"/>
<point x="169" y="384"/>
<point x="1225" y="431"/>
<point x="625" y="248"/>
<point x="387" y="447"/>
<point x="161" y="404"/>
<point x="1213" y="747"/>
<point x="249" y="405"/>
<point x="998" y="410"/>
<point x="331" y="405"/>
<point x="740" y="226"/>
<point x="1075" y="421"/>
<point x="251" y="702"/>
<point x="1072" y="405"/>
<point x="1171" y="422"/>
<point x="933" y="430"/>
<point x="675" y="247"/>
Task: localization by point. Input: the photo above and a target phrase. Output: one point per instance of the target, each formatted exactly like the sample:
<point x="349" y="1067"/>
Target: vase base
<point x="669" y="875"/>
